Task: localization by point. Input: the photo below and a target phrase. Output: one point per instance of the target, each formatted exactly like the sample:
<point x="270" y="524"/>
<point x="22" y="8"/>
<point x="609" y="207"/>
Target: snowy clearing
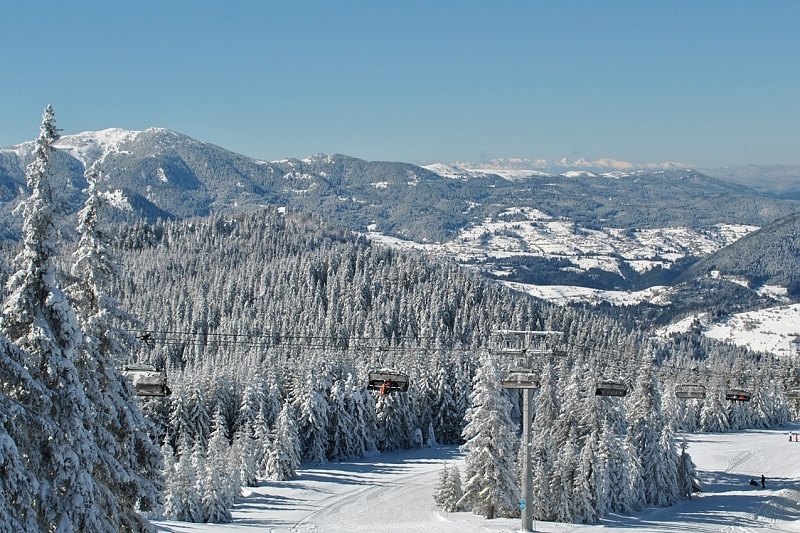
<point x="394" y="492"/>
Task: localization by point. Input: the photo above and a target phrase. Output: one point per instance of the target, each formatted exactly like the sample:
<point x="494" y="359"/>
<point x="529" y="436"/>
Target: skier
<point x="753" y="482"/>
<point x="763" y="482"/>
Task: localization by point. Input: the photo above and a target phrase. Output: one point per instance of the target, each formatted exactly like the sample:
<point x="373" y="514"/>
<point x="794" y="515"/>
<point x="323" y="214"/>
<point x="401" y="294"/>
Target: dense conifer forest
<point x="252" y="314"/>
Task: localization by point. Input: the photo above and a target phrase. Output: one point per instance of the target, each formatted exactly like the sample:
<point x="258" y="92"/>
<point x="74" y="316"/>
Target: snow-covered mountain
<point x="615" y="230"/>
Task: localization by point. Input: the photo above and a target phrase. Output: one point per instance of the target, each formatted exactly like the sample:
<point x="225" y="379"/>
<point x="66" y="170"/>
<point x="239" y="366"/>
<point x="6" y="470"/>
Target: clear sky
<point x="706" y="83"/>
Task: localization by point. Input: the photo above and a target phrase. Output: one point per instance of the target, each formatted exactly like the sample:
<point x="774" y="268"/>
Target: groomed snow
<point x="393" y="492"/>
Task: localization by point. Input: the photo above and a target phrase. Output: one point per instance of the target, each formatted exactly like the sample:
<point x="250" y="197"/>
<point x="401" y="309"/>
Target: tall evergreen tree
<point x="216" y="492"/>
<point x="491" y="488"/>
<point x="129" y="462"/>
<point x="39" y="319"/>
<point x="283" y="456"/>
<point x="22" y="423"/>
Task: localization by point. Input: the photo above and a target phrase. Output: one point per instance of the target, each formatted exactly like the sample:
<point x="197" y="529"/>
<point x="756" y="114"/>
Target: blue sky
<point x="709" y="83"/>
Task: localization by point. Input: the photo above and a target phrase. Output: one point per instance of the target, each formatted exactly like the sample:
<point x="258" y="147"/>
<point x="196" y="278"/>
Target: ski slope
<point x="394" y="493"/>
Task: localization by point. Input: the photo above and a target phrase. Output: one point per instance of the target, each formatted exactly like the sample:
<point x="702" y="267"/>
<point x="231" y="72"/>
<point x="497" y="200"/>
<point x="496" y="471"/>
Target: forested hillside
<point x="253" y="313"/>
<point x="769" y="256"/>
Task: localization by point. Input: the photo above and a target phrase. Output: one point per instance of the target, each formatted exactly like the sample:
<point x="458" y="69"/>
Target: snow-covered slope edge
<point x="393" y="492"/>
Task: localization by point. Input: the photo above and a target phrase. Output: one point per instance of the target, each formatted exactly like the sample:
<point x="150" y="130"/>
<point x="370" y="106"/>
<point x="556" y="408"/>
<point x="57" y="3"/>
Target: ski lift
<point x="793" y="394"/>
<point x="520" y="378"/>
<point x="738" y="395"/>
<point x="610" y="388"/>
<point x="386" y="381"/>
<point x="146" y="380"/>
<point x="690" y="391"/>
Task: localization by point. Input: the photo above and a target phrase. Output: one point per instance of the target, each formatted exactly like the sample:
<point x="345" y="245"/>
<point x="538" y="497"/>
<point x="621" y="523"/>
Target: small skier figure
<point x="753" y="482"/>
<point x="763" y="482"/>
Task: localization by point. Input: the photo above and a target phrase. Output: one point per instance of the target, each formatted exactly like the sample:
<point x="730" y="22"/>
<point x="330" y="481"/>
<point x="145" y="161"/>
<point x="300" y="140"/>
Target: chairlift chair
<point x="610" y="388"/>
<point x="386" y="381"/>
<point x="690" y="391"/>
<point x="793" y="394"/>
<point x="738" y="395"/>
<point x="520" y="379"/>
<point x="146" y="380"/>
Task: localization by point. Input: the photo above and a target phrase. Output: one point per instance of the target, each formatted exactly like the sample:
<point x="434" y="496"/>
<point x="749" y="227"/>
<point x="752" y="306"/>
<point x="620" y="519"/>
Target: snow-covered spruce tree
<point x="394" y="421"/>
<point x="617" y="491"/>
<point x="38" y="318"/>
<point x="714" y="413"/>
<point x="245" y="451"/>
<point x="311" y="407"/>
<point x="198" y="421"/>
<point x="591" y="472"/>
<point x="361" y="406"/>
<point x="283" y="453"/>
<point x="22" y="399"/>
<point x="447" y="418"/>
<point x="448" y="491"/>
<point x="217" y="492"/>
<point x="543" y="450"/>
<point x="688" y="479"/>
<point x="646" y="425"/>
<point x="182" y="498"/>
<point x="491" y="487"/>
<point x="172" y="504"/>
<point x="341" y="430"/>
<point x="129" y="462"/>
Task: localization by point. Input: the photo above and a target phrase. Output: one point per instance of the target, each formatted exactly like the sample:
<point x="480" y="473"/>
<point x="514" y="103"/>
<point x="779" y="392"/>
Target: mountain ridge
<point x="164" y="174"/>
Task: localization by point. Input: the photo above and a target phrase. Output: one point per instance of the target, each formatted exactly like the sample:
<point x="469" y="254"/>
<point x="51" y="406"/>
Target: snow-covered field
<point x="394" y="492"/>
<point x="774" y="329"/>
<point x="530" y="232"/>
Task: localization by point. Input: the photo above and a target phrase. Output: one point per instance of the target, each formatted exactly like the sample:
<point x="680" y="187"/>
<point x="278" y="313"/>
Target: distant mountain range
<point x="596" y="224"/>
<point x="781" y="181"/>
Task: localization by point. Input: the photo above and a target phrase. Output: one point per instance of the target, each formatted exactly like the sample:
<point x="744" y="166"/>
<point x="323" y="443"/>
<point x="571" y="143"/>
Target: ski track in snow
<point x="393" y="492"/>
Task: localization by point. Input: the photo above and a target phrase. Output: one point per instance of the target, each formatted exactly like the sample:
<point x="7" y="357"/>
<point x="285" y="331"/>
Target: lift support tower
<point x="522" y="347"/>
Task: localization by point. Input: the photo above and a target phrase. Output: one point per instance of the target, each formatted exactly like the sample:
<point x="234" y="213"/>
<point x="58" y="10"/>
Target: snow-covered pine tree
<point x="714" y="413"/>
<point x="448" y="492"/>
<point x="311" y="407"/>
<point x="217" y="493"/>
<point x="22" y="400"/>
<point x="129" y="462"/>
<point x="393" y="419"/>
<point x="341" y="430"/>
<point x="543" y="451"/>
<point x="491" y="488"/>
<point x="283" y="455"/>
<point x="361" y="407"/>
<point x="245" y="451"/>
<point x="646" y="426"/>
<point x="688" y="478"/>
<point x="38" y="318"/>
<point x="617" y="490"/>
